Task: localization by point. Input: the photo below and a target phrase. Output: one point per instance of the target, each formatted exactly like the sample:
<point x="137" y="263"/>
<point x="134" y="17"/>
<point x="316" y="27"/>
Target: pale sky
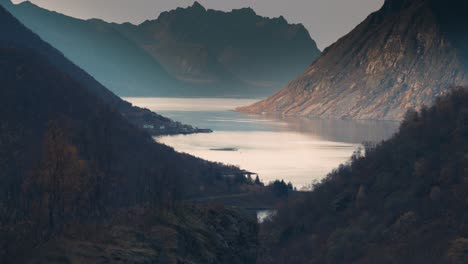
<point x="326" y="20"/>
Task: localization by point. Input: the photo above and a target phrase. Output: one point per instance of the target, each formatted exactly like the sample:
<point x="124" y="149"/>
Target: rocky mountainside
<point x="238" y="49"/>
<point x="185" y="52"/>
<point x="400" y="57"/>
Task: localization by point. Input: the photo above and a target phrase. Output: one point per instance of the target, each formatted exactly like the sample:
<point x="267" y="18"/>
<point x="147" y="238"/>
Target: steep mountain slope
<point x="211" y="53"/>
<point x="16" y="34"/>
<point x="209" y="46"/>
<point x="400" y="57"/>
<point x="405" y="201"/>
<point x="69" y="160"/>
<point x="101" y="50"/>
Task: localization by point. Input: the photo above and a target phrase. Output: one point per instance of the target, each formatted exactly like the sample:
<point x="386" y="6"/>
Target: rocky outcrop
<point x="400" y="57"/>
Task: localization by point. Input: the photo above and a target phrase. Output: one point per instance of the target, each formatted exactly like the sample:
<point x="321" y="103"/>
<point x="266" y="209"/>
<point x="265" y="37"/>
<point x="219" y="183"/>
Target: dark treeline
<point x="403" y="201"/>
<point x="67" y="156"/>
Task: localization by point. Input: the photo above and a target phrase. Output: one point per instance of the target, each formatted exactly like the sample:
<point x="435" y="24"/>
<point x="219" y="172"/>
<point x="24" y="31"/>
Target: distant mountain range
<point x="185" y="52"/>
<point x="400" y="57"/>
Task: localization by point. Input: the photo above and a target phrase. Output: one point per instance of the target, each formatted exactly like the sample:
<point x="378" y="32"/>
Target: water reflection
<point x="350" y="131"/>
<point x="299" y="150"/>
<point x="292" y="156"/>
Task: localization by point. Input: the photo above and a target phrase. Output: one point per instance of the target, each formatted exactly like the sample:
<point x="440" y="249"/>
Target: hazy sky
<point x="326" y="20"/>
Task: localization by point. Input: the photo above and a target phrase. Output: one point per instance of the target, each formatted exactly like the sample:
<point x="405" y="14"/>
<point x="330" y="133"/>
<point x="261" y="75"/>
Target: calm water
<point x="299" y="150"/>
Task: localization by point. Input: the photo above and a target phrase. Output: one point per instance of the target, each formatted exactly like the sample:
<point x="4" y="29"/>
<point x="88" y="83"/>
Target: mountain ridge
<point x="200" y="52"/>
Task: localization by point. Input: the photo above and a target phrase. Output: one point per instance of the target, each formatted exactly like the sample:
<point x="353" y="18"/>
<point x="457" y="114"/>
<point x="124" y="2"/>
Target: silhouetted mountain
<point x="213" y="53"/>
<point x="400" y="57"/>
<point x="222" y="48"/>
<point x="69" y="159"/>
<point x="99" y="49"/>
<point x="18" y="35"/>
<point x="403" y="201"/>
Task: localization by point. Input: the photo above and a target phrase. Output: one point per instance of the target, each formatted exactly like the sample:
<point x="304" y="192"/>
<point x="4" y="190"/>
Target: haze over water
<point x="298" y="150"/>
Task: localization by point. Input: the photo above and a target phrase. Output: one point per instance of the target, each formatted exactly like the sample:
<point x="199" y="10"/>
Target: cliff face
<point x="400" y="57"/>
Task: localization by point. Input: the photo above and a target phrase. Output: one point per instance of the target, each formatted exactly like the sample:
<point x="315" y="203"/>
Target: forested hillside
<point x="69" y="161"/>
<point x="402" y="201"/>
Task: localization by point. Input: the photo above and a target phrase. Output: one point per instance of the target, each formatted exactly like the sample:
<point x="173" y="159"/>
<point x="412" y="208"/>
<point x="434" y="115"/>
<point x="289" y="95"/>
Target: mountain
<point x="71" y="167"/>
<point x="102" y="51"/>
<point x="400" y="57"/>
<point x="237" y="48"/>
<point x="142" y="118"/>
<point x="185" y="52"/>
<point x="402" y="201"/>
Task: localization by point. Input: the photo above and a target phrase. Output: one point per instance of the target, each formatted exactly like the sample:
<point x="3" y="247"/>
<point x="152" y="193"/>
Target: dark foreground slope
<point x="405" y="201"/>
<point x="402" y="56"/>
<point x="72" y="167"/>
<point x="205" y="52"/>
<point x="13" y="33"/>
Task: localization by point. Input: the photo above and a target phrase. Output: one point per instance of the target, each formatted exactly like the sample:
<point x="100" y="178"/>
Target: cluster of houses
<point x="148" y="126"/>
<point x="173" y="128"/>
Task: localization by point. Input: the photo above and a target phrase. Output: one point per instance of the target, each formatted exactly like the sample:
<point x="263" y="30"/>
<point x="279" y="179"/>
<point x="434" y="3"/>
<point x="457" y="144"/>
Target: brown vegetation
<point x="404" y="201"/>
<point x="68" y="158"/>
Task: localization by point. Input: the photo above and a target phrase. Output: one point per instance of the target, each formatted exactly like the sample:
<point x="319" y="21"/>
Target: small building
<point x="148" y="126"/>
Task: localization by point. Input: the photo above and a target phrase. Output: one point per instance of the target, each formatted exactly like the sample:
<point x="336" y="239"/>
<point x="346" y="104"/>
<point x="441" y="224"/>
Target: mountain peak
<point x="197" y="6"/>
<point x="245" y="11"/>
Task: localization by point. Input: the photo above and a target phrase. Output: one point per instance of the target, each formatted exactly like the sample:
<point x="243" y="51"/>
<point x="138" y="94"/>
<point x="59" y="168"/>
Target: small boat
<point x="224" y="149"/>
